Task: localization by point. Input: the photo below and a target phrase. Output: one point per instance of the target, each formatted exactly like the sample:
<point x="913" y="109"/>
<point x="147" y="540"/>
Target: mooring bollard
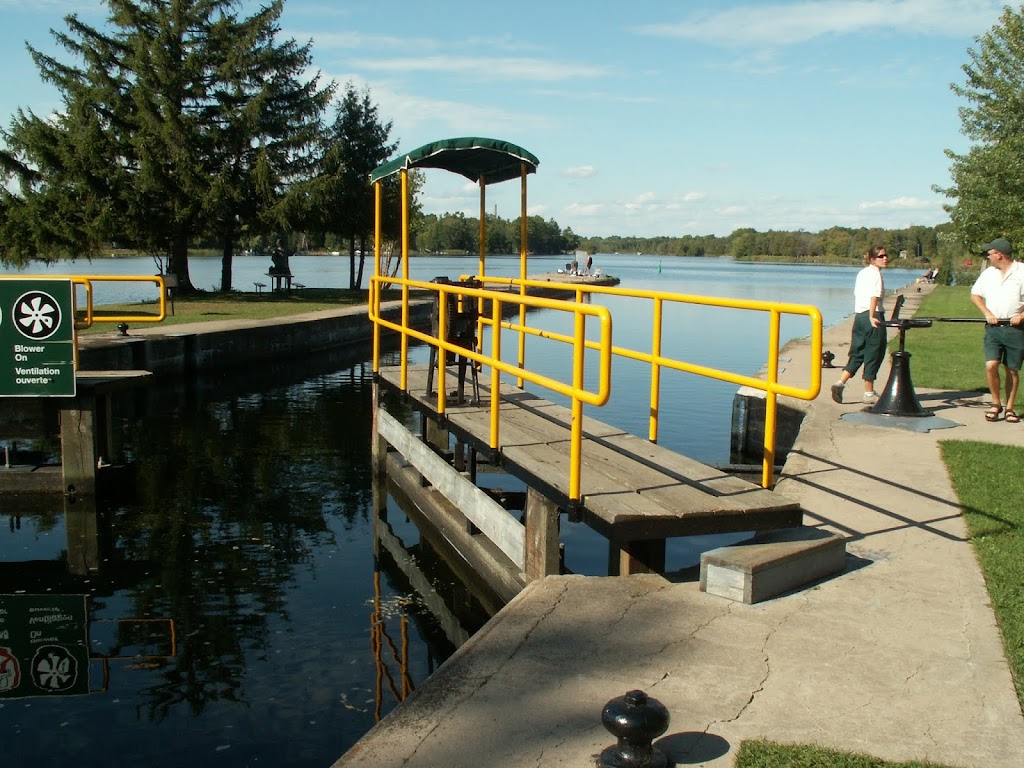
<point x="636" y="720"/>
<point x="826" y="359"/>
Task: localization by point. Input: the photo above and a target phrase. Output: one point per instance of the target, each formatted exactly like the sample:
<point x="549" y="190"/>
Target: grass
<point x="985" y="477"/>
<point x="768" y="754"/>
<point x="947" y="355"/>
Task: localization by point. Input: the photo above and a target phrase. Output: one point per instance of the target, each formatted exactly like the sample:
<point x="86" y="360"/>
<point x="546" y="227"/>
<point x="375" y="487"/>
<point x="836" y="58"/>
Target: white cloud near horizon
<point x="782" y="24"/>
<point x="486" y="68"/>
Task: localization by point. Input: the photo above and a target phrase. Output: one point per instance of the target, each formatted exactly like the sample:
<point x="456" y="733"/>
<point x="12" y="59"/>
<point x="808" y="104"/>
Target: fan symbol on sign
<point x="54" y="668"/>
<point x="37" y="315"/>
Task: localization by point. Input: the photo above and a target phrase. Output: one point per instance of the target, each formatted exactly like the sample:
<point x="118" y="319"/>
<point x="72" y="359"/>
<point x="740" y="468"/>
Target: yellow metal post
<point x="652" y="434"/>
<point x="576" y="436"/>
<point x="374" y="296"/>
<point x="523" y="251"/>
<point x="404" y="376"/>
<point x="483" y="227"/>
<point x="768" y="458"/>
<point x="495" y="372"/>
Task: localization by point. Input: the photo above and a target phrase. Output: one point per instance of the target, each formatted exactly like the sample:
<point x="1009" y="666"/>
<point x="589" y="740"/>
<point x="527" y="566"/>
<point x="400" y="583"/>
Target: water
<point x="249" y="526"/>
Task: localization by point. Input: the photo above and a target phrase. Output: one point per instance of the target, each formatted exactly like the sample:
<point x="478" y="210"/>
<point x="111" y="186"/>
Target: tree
<point x="356" y="143"/>
<point x="181" y="121"/>
<point x="988" y="182"/>
<point x="265" y="130"/>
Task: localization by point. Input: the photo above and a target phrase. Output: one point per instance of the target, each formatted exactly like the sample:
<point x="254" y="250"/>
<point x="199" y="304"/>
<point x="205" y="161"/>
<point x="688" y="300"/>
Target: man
<point x="999" y="294"/>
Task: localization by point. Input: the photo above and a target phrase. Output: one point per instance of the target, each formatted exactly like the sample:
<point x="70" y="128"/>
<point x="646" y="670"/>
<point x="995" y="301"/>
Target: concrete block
<point x="771" y="563"/>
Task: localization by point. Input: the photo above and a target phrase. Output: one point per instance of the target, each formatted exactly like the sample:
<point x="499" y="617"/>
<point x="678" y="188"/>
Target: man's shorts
<point x="1005" y="343"/>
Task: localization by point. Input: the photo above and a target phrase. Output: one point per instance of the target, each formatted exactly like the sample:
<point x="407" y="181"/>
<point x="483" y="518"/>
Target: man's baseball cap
<point x="1000" y="244"/>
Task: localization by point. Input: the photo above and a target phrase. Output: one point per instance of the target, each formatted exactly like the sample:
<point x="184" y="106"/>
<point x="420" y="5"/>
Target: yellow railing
<point x="86" y="281"/>
<point x="653" y="356"/>
<point x="492" y="358"/>
<point x="770" y="385"/>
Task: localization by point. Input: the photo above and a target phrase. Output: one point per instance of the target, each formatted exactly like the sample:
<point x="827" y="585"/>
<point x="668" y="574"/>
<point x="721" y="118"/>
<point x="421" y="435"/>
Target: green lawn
<point x="947" y="355"/>
<point x="767" y="754"/>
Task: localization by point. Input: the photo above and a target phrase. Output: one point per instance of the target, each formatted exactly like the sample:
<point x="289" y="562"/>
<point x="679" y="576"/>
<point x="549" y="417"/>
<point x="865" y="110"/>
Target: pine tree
<point x="356" y="143"/>
<point x="183" y="121"/>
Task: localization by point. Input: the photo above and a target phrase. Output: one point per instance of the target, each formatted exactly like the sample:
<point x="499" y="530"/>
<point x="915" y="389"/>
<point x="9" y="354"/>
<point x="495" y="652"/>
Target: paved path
<point x="899" y="657"/>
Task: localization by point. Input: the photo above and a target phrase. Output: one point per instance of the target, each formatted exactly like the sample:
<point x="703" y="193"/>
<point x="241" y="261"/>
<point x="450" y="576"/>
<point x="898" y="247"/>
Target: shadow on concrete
<point x="692" y="747"/>
<point x="805" y="478"/>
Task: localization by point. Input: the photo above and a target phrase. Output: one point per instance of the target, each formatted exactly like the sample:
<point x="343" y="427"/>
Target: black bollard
<point x="122" y="329"/>
<point x="826" y="359"/>
<point x="636" y="721"/>
<point x="898" y="398"/>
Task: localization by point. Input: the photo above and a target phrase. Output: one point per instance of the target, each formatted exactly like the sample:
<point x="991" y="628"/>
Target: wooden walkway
<point x="634" y="492"/>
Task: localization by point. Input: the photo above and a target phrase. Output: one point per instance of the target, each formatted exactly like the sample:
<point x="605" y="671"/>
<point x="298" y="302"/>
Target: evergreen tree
<point x="356" y="143"/>
<point x="184" y="120"/>
<point x="988" y="181"/>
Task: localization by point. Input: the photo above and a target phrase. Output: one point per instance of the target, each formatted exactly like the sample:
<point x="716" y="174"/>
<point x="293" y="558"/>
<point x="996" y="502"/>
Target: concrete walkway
<point x="898" y="657"/>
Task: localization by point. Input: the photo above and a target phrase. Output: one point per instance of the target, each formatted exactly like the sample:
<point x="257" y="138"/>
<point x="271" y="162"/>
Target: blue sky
<point x="648" y="117"/>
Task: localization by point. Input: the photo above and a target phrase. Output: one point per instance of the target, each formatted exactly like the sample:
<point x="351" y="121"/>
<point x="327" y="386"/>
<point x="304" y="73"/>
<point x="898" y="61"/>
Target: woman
<point x="869" y="339"/>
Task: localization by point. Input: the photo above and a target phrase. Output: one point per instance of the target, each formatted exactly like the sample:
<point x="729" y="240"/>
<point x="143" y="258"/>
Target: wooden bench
<point x="260" y="287"/>
<point x="298" y="286"/>
<point x="771" y="563"/>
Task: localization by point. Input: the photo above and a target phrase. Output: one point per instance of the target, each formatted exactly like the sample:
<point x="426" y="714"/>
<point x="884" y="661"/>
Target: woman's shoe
<point x="1011" y="416"/>
<point x="992" y="414"/>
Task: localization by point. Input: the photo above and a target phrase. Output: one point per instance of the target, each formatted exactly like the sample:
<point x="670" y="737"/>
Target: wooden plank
<point x="486" y="571"/>
<point x="632" y="488"/>
<point x="491" y="518"/>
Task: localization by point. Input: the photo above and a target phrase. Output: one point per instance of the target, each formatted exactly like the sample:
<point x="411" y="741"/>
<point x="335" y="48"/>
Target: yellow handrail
<point x="769" y="385"/>
<point x="86" y="282"/>
<point x="575" y="391"/>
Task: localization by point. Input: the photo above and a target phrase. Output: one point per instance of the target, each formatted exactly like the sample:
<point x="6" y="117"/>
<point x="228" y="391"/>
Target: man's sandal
<point x="992" y="414"/>
<point x="1011" y="416"/>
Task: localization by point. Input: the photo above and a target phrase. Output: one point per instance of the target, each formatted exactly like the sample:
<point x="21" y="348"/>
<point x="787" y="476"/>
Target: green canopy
<point x="472" y="157"/>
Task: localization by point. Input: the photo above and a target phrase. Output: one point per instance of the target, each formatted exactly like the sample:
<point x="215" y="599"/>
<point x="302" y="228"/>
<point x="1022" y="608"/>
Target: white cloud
<point x="47" y="6"/>
<point x="693" y="197"/>
<point x="587" y="209"/>
<point x="783" y="24"/>
<point x="899" y="203"/>
<point x="489" y="69"/>
<point x="580" y="172"/>
<point x="346" y="40"/>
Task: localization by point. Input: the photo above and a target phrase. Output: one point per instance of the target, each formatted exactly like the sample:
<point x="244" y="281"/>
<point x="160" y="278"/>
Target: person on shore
<point x="869" y="338"/>
<point x="999" y="294"/>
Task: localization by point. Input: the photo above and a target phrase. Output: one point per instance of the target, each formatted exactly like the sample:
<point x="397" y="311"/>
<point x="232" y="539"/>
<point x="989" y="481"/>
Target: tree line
<point x="458" y="233"/>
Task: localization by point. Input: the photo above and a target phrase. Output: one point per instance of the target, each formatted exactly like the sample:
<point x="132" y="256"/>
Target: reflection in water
<point x="237" y="576"/>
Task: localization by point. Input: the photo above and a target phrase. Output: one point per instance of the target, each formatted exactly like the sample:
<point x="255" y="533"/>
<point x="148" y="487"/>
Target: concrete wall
<point x="219" y="345"/>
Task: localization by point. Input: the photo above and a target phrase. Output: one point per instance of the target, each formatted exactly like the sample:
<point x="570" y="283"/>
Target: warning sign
<point x="37" y="338"/>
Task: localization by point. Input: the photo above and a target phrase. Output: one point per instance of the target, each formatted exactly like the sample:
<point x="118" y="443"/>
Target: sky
<point x="649" y="118"/>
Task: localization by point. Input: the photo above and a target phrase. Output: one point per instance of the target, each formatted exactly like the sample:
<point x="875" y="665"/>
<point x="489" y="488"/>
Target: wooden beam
<point x="541" y="536"/>
<point x="487" y="515"/>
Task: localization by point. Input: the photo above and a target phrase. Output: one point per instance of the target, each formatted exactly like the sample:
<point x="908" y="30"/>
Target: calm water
<point x="249" y="526"/>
